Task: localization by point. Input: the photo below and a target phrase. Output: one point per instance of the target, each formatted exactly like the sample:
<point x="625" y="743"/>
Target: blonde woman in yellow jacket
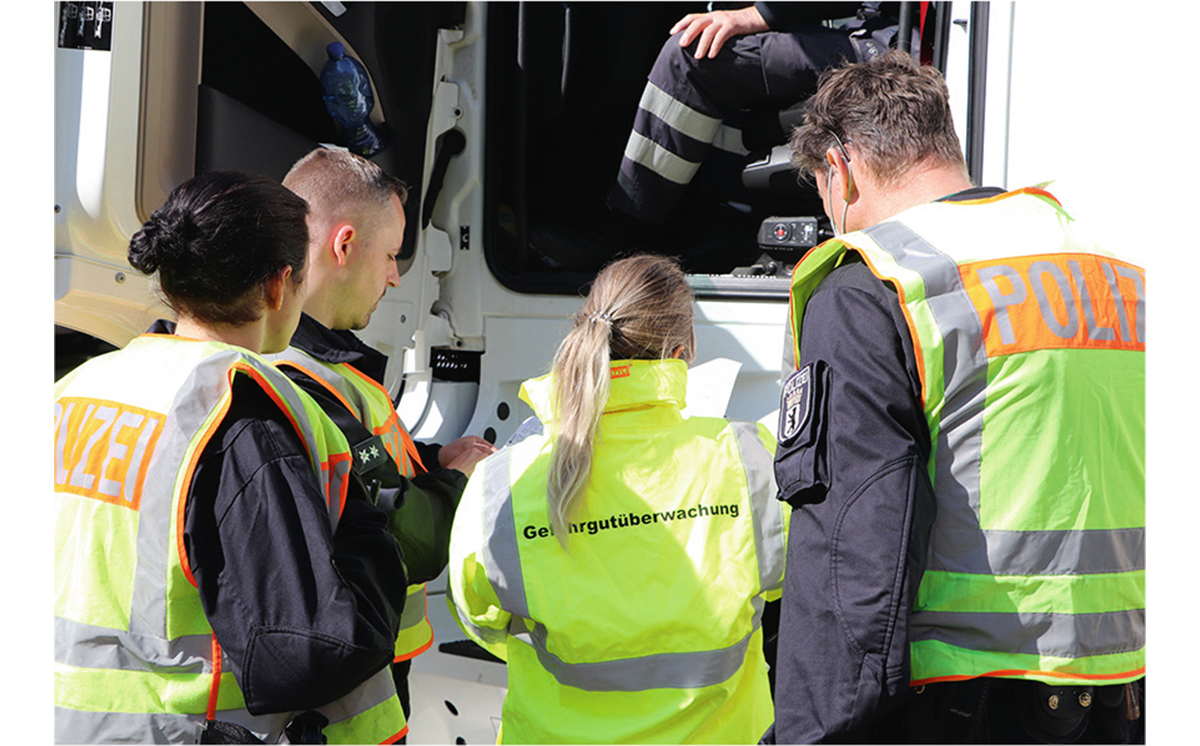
<point x="619" y="562"/>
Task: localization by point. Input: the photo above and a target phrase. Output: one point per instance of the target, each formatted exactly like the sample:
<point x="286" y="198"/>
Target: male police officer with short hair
<point x="356" y="228"/>
<point x="962" y="439"/>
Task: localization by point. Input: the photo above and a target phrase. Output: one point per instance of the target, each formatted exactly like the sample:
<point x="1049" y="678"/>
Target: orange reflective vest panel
<point x="135" y="657"/>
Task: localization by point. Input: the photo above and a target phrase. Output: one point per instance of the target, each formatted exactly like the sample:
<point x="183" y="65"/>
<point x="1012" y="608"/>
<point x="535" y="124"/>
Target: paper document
<point x="710" y="384"/>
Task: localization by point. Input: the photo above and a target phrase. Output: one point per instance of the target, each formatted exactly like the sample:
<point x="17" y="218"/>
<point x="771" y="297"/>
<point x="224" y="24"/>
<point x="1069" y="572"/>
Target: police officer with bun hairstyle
<point x="962" y="441"/>
<point x="219" y="575"/>
<point x="619" y="561"/>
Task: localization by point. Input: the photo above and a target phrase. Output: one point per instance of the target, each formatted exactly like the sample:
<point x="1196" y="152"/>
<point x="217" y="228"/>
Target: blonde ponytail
<point x="639" y="308"/>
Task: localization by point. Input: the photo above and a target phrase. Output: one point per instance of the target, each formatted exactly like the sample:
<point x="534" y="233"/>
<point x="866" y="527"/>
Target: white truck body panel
<point x="1108" y="131"/>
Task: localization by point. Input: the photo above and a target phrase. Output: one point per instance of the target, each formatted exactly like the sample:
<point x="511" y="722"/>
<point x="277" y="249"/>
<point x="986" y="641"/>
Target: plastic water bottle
<point x="349" y="100"/>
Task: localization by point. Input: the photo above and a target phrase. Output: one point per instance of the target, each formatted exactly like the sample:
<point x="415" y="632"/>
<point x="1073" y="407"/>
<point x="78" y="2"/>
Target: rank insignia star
<point x="369" y="453"/>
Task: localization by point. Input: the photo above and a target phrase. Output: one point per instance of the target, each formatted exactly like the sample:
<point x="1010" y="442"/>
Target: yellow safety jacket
<point x="135" y="657"/>
<point x="372" y="405"/>
<point x="647" y="628"/>
<point x="1030" y="342"/>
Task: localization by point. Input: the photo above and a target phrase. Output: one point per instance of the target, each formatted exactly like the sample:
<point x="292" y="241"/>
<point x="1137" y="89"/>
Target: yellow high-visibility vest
<point x="647" y="628"/>
<point x="1030" y="343"/>
<point x="135" y="657"/>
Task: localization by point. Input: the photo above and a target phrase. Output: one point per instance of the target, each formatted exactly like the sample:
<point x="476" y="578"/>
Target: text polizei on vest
<point x="628" y="520"/>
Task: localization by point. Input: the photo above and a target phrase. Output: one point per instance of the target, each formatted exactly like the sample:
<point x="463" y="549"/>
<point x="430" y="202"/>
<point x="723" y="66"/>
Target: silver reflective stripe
<point x="659" y="671"/>
<point x="655" y="157"/>
<point x="1095" y="330"/>
<point x="414" y="608"/>
<point x="678" y="115"/>
<point x="958" y="443"/>
<point x="764" y="508"/>
<point x="79" y="726"/>
<point x="86" y="646"/>
<point x="371" y="693"/>
<point x="201" y="391"/>
<point x="331" y="476"/>
<point x="1118" y="299"/>
<point x="489" y="635"/>
<point x="729" y="139"/>
<point x="500" y="554"/>
<point x="148" y="611"/>
<point x="1043" y="552"/>
<point x="329" y="376"/>
<point x="292" y="395"/>
<point x="1058" y="635"/>
<point x="1139" y="321"/>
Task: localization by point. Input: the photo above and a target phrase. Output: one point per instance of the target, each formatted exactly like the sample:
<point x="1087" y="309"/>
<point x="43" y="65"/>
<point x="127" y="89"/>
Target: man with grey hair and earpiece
<point x="961" y="437"/>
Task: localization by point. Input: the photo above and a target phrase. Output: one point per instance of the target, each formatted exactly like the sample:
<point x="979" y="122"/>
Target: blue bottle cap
<point x="335" y="50"/>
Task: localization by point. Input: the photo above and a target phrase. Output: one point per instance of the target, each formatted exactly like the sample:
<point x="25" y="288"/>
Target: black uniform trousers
<point x="777" y="68"/>
<point x="993" y="710"/>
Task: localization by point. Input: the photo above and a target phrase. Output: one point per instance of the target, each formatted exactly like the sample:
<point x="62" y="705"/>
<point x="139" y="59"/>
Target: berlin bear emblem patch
<point x="796" y="406"/>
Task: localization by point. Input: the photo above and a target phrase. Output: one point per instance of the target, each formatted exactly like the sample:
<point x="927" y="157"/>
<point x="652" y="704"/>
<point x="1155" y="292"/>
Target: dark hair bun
<point x="217" y="239"/>
<point x="165" y="238"/>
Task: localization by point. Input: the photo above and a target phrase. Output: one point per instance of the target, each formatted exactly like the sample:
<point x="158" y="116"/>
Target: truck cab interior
<point x="562" y="85"/>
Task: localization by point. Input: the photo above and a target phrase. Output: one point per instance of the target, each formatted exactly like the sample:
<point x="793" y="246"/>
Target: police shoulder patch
<point x="796" y="403"/>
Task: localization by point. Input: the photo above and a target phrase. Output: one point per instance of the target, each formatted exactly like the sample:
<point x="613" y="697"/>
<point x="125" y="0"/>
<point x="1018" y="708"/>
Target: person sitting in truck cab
<point x="718" y="63"/>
